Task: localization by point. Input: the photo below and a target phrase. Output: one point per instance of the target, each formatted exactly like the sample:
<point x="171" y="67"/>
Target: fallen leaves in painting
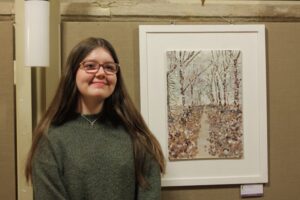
<point x="225" y="138"/>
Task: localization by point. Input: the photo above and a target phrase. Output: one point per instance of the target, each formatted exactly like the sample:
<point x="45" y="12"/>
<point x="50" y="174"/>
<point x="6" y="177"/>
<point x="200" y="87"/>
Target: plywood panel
<point x="284" y="109"/>
<point x="283" y="45"/>
<point x="7" y="132"/>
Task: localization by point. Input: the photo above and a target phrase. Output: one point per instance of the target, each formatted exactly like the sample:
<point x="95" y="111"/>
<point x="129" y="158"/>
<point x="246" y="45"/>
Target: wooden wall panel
<point x="7" y="119"/>
<point x="283" y="76"/>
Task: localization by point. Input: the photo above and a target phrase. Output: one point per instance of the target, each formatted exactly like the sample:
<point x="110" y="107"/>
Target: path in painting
<point x="203" y="136"/>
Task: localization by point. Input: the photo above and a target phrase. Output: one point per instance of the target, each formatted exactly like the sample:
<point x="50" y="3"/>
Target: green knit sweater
<point x="77" y="161"/>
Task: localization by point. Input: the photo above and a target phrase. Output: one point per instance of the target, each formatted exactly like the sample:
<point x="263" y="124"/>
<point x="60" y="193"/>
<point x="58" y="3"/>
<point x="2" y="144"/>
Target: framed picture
<point x="203" y="95"/>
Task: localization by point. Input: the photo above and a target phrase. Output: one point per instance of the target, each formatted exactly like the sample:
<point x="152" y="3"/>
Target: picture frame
<point x="154" y="42"/>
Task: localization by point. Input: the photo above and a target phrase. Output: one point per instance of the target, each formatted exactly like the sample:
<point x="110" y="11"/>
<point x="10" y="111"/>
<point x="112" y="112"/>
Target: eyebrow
<point x="92" y="60"/>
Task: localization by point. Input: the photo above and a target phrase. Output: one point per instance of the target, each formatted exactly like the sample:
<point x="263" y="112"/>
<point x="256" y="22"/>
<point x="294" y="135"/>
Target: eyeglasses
<point x="92" y="67"/>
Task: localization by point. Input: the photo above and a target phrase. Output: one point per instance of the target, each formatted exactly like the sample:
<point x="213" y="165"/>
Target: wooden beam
<point x="23" y="104"/>
<point x="182" y="9"/>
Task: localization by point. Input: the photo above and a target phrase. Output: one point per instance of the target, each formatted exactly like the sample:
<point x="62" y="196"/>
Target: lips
<point x="98" y="84"/>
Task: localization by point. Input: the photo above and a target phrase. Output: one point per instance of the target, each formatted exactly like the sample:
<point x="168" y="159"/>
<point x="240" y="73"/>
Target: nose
<point x="100" y="72"/>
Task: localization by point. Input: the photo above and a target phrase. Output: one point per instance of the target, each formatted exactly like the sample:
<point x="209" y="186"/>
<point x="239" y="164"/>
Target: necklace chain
<point x="90" y="122"/>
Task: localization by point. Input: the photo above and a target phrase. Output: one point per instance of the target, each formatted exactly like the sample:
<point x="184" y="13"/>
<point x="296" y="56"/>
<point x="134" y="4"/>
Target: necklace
<point x="90" y="122"/>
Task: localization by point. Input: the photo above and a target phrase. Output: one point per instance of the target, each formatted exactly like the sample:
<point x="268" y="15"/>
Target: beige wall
<point x="283" y="45"/>
<point x="118" y="21"/>
<point x="7" y="115"/>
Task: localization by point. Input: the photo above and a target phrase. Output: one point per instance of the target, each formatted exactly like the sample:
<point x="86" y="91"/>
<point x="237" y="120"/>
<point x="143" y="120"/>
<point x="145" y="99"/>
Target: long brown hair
<point x="119" y="106"/>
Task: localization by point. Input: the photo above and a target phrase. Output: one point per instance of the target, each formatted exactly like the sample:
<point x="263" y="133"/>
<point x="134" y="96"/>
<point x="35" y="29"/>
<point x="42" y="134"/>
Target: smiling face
<point x="98" y="86"/>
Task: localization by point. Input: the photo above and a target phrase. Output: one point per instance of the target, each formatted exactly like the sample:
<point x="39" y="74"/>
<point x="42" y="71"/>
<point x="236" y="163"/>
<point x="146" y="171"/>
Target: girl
<point x="92" y="143"/>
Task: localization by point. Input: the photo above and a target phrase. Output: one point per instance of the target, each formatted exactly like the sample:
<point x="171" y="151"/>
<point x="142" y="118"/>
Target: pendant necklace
<point x="90" y="122"/>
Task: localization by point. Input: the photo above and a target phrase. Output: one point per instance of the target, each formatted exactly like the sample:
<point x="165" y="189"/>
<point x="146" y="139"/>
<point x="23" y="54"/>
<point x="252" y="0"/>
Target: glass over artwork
<point x="204" y="99"/>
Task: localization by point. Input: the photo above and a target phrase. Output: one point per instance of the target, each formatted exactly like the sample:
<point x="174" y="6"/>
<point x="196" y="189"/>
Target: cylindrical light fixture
<point x="37" y="41"/>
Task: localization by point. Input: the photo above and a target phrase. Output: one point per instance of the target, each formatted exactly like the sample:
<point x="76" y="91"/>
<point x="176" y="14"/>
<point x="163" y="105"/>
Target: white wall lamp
<point x="37" y="41"/>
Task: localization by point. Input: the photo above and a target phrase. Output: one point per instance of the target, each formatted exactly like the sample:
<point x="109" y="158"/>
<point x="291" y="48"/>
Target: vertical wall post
<point x="23" y="104"/>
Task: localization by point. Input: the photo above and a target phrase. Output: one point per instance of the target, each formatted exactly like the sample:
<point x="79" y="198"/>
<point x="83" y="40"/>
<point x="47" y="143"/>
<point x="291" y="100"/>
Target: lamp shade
<point x="37" y="42"/>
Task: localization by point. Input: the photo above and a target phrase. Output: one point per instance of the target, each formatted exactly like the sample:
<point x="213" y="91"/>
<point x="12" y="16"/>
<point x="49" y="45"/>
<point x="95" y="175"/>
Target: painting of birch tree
<point x="204" y="100"/>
